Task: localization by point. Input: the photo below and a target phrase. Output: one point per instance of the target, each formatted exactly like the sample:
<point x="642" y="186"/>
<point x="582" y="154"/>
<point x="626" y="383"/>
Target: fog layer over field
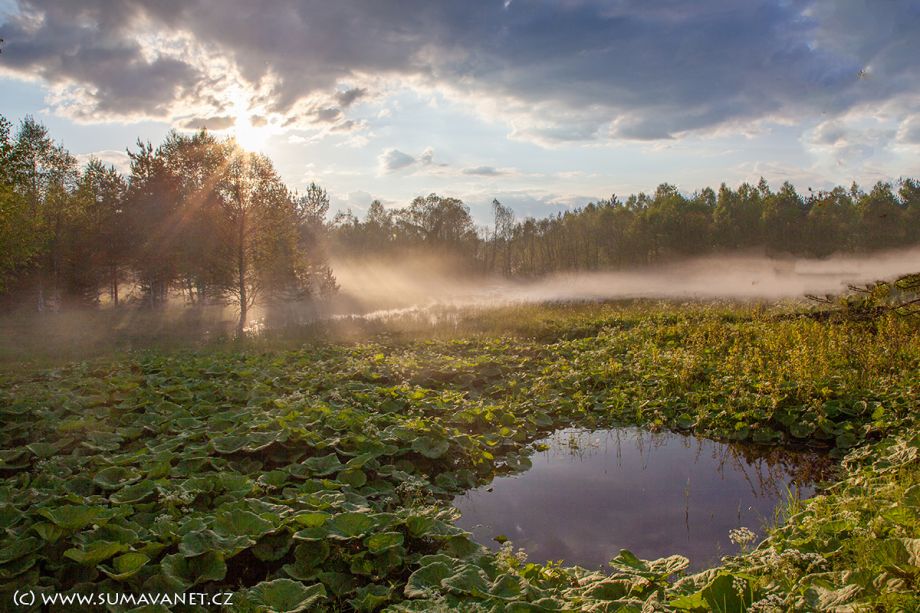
<point x="415" y="282"/>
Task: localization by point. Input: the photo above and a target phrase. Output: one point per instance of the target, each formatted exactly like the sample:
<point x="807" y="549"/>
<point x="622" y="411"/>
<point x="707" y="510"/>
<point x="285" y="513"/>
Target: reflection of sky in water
<point x="654" y="494"/>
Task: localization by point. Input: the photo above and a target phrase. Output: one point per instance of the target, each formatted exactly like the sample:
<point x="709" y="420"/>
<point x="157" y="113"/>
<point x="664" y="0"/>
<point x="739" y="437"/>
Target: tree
<point x="258" y="229"/>
<point x="154" y="217"/>
<point x="502" y="235"/>
<point x="103" y="239"/>
<point x="881" y="218"/>
<point x="44" y="174"/>
<point x="18" y="234"/>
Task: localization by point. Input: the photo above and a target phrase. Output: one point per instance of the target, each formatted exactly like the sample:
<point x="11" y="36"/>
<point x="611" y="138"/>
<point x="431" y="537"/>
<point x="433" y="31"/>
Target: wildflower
<point x="742" y="536"/>
<point x="772" y="603"/>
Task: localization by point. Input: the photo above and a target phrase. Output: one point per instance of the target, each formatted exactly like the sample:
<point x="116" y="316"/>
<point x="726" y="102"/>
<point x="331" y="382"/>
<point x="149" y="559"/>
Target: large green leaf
<point x="133" y="494"/>
<point x="350" y="525"/>
<point x="426" y="581"/>
<point x="468" y="579"/>
<point x="198" y="542"/>
<point x="380" y="542"/>
<point x="430" y="447"/>
<point x="238" y="522"/>
<point x="287" y="596"/>
<point x="324" y="465"/>
<point x="186" y="572"/>
<point x="722" y="596"/>
<point x="126" y="566"/>
<point x="75" y="517"/>
<point x="116" y="477"/>
<point x="95" y="552"/>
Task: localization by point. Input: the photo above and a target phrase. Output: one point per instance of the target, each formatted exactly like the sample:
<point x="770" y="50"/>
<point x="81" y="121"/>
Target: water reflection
<point x="589" y="494"/>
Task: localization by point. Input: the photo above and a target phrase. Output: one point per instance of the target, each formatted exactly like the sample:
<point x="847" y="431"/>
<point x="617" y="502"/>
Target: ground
<point x="314" y="470"/>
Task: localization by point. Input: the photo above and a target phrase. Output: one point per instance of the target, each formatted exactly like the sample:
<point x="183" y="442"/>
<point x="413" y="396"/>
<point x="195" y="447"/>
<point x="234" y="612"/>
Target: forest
<point x="201" y="220"/>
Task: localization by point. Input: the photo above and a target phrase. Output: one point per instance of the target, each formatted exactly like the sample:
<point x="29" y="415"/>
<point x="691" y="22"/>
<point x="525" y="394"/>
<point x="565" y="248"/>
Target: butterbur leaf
<point x="134" y="493"/>
<point x="238" y="522"/>
<point x="311" y="520"/>
<point x="43" y="450"/>
<point x="115" y="477"/>
<point x="722" y="597"/>
<point x="325" y="465"/>
<point x="19" y="548"/>
<point x="286" y="595"/>
<point x="48" y="531"/>
<point x="228" y="444"/>
<point x="380" y="542"/>
<point x="371" y="597"/>
<point x="426" y="581"/>
<point x="272" y="547"/>
<point x="419" y="525"/>
<point x="609" y="589"/>
<point x="186" y="572"/>
<point x="468" y="580"/>
<point x="17" y="567"/>
<point x="430" y="447"/>
<point x="340" y="584"/>
<point x="75" y="517"/>
<point x="126" y="566"/>
<point x="96" y="552"/>
<point x="353" y="477"/>
<point x="350" y="525"/>
<point x="202" y="541"/>
<point x="10" y="516"/>
<point x="307" y="556"/>
<point x="506" y="587"/>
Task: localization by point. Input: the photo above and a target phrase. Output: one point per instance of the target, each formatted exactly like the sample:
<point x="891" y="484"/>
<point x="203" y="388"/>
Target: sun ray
<point x="250" y="132"/>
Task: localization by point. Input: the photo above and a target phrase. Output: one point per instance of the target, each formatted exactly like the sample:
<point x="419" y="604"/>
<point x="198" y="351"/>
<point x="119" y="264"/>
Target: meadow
<point x="313" y="469"/>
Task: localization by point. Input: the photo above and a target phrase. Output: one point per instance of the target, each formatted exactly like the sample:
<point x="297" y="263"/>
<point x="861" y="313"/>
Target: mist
<point x="372" y="288"/>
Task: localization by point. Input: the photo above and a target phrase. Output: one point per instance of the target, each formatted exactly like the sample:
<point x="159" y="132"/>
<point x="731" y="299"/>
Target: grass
<point x="314" y="467"/>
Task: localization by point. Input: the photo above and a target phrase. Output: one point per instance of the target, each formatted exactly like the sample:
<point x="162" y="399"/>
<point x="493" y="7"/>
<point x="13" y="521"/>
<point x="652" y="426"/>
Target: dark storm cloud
<point x="348" y="97"/>
<point x="87" y="43"/>
<point x="566" y="71"/>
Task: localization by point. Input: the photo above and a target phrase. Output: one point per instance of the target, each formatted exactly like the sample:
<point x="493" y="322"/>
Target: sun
<point x="249" y="136"/>
<point x="250" y="131"/>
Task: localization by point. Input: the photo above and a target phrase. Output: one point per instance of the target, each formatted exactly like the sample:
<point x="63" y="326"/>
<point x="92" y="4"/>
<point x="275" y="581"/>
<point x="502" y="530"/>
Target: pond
<point x="591" y="493"/>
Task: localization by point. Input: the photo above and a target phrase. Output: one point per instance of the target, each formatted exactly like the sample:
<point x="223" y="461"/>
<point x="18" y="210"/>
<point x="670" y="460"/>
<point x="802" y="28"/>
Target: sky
<point x="542" y="105"/>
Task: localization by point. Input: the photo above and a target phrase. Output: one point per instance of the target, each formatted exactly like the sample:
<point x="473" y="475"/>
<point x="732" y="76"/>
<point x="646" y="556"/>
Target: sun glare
<point x="250" y="137"/>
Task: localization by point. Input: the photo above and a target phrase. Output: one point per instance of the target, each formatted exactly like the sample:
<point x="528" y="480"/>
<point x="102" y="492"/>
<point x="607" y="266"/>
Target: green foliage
<point x="320" y="477"/>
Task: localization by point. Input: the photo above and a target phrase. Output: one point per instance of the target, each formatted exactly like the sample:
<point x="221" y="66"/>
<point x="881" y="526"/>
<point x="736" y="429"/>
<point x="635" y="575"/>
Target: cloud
<point x="556" y="72"/>
<point x="349" y="96"/>
<point x="829" y="133"/>
<point x="82" y="48"/>
<point x="909" y="131"/>
<point x="111" y="157"/>
<point x="328" y="115"/>
<point x="392" y="160"/>
<point x="220" y="122"/>
<point x="853" y="139"/>
<point x="526" y="203"/>
<point x="483" y="171"/>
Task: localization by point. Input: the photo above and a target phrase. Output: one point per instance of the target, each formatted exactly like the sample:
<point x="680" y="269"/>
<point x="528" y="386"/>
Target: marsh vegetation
<point x="322" y="475"/>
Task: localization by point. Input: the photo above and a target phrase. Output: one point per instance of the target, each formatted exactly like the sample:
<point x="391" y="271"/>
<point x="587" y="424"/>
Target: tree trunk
<point x="114" y="290"/>
<point x="241" y="271"/>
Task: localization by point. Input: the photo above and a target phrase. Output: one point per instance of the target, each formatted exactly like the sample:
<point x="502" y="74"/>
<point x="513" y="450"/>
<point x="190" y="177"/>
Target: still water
<point x="590" y="494"/>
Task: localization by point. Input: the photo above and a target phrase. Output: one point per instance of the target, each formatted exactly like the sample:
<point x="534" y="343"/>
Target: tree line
<point x="200" y="218"/>
<point x="644" y="228"/>
<point x="196" y="217"/>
